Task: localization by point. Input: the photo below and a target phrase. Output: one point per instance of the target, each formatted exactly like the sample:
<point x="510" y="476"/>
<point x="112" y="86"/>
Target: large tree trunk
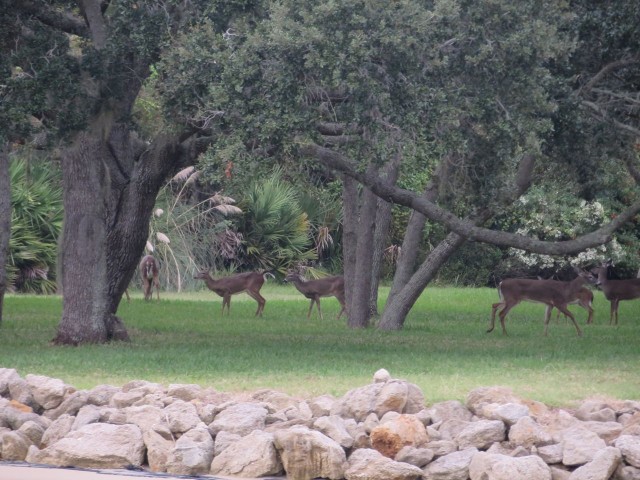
<point x="109" y="193"/>
<point x="350" y="208"/>
<point x="5" y="220"/>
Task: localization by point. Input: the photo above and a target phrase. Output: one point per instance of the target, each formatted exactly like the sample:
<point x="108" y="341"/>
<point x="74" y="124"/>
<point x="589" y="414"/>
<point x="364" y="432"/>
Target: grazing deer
<point x="249" y="282"/>
<point x="552" y="293"/>
<point x="323" y="287"/>
<point x="615" y="290"/>
<point x="149" y="269"/>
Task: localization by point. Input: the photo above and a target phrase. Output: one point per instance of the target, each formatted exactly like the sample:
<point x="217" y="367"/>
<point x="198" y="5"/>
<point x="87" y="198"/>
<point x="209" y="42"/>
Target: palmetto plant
<point x="276" y="231"/>
<point x="36" y="222"/>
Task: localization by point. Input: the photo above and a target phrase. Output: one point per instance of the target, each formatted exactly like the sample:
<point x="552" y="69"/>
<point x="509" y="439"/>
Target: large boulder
<point x="487" y="466"/>
<point x="241" y="418"/>
<point x="392" y="435"/>
<point x="97" y="445"/>
<point x="254" y="455"/>
<point x="368" y="464"/>
<point x="307" y="454"/>
<point x="192" y="453"/>
<point x="454" y="466"/>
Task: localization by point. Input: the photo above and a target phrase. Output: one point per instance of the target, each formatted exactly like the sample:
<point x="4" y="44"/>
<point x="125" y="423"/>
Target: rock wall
<point x="383" y="431"/>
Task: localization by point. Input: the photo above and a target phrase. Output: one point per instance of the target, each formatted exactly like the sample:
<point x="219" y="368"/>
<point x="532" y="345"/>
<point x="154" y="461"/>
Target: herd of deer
<point x="553" y="293"/>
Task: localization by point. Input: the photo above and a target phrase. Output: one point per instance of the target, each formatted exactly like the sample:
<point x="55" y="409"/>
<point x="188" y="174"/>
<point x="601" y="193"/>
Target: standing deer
<point x="615" y="290"/>
<point x="553" y="293"/>
<point x="149" y="269"/>
<point x="323" y="287"/>
<point x="584" y="298"/>
<point x="250" y="282"/>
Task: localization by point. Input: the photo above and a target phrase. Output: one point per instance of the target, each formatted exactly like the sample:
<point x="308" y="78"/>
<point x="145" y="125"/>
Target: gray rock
<point x="251" y="456"/>
<point x="602" y="466"/>
<point x="368" y="464"/>
<point x="454" y="466"/>
<point x="486" y="466"/>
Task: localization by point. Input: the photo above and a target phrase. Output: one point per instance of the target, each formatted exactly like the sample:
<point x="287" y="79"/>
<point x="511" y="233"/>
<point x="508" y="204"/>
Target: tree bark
<point x="350" y="208"/>
<point x="110" y="188"/>
<point x="5" y="221"/>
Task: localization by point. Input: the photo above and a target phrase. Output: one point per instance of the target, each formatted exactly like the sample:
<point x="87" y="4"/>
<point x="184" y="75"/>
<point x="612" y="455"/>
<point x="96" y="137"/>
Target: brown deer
<point x="323" y="287"/>
<point x="615" y="290"/>
<point x="249" y="282"/>
<point x="553" y="293"/>
<point x="584" y="298"/>
<point x="149" y="269"/>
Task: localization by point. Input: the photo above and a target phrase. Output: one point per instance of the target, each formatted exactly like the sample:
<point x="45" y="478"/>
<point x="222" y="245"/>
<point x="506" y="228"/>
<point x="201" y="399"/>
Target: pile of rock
<point x="378" y="431"/>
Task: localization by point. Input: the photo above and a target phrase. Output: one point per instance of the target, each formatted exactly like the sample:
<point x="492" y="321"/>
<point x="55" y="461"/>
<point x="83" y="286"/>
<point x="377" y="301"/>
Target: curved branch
<point x="53" y="18"/>
<point x="412" y="200"/>
<point x="610" y="67"/>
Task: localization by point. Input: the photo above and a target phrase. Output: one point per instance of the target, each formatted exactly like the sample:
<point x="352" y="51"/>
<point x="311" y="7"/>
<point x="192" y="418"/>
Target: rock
<point x="508" y="413"/>
<point x="550" y="453"/>
<point x="20" y="391"/>
<point x="486" y="466"/>
<point x="58" y="429"/>
<point x="15" y="445"/>
<point x="145" y="416"/>
<point x="626" y="473"/>
<point x="223" y="440"/>
<point x="527" y="432"/>
<point x="160" y="444"/>
<point x="276" y="400"/>
<point x="47" y="392"/>
<point x="381" y="376"/>
<point x="33" y="431"/>
<point x="69" y="406"/>
<point x="481" y="434"/>
<point x="368" y="464"/>
<point x="321" y="406"/>
<point x="101" y="395"/>
<point x="579" y="446"/>
<point x="309" y="454"/>
<point x="480" y="397"/>
<point x="335" y="428"/>
<point x="558" y="473"/>
<point x="87" y="414"/>
<point x="454" y="466"/>
<point x="602" y="466"/>
<point x="414" y="456"/>
<point x="608" y="431"/>
<point x="449" y="410"/>
<point x="184" y="392"/>
<point x="629" y="447"/>
<point x="450" y="429"/>
<point x="192" y="453"/>
<point x="181" y="416"/>
<point x="251" y="456"/>
<point x="242" y="418"/>
<point x="7" y="376"/>
<point x="97" y="445"/>
<point x="595" y="410"/>
<point x="391" y="436"/>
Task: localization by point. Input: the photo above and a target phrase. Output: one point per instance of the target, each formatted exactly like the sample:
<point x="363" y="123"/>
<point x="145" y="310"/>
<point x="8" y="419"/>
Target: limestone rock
<point x="97" y="445"/>
<point x="481" y="434"/>
<point x="450" y="410"/>
<point x="309" y="454"/>
<point x="414" y="456"/>
<point x="14" y="445"/>
<point x="454" y="466"/>
<point x="509" y="413"/>
<point x="527" y="432"/>
<point x="630" y="449"/>
<point x="335" y="428"/>
<point x="192" y="453"/>
<point x="368" y="464"/>
<point x="223" y="440"/>
<point x="480" y="397"/>
<point x="58" y="429"/>
<point x="251" y="456"/>
<point x="602" y="466"/>
<point x="47" y="392"/>
<point x="487" y="466"/>
<point x="160" y="443"/>
<point x="626" y="473"/>
<point x="579" y="446"/>
<point x="184" y="392"/>
<point x="242" y="418"/>
<point x="71" y="405"/>
<point x="181" y="416"/>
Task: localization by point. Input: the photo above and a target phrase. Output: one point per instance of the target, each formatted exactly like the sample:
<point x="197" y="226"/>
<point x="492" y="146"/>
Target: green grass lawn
<point x="443" y="348"/>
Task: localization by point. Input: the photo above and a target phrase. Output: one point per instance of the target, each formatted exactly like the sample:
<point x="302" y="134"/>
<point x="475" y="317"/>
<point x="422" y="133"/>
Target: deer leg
<point x="503" y="315"/>
<point x="494" y="307"/>
<point x="589" y="309"/>
<point x="565" y="310"/>
<point x="318" y="304"/>
<point x="258" y="298"/>
<point x="547" y="318"/>
<point x="226" y="300"/>
<point x="310" y="308"/>
<point x="614" y="310"/>
<point x="342" y="305"/>
<point x="126" y="293"/>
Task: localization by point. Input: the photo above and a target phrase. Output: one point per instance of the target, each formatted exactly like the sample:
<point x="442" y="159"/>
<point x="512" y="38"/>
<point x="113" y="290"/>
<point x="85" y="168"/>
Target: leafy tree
<point x="78" y="68"/>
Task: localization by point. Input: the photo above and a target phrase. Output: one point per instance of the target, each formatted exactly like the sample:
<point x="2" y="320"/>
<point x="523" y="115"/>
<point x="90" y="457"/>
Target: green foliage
<point x="274" y="228"/>
<point x="443" y="348"/>
<point x="36" y="223"/>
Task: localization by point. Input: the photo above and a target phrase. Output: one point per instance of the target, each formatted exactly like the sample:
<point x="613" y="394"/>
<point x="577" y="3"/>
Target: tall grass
<point x="443" y="348"/>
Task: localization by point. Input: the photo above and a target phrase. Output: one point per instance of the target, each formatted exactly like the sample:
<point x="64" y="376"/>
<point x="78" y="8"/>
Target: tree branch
<point x="53" y="18"/>
<point x="609" y="68"/>
<point x="412" y="200"/>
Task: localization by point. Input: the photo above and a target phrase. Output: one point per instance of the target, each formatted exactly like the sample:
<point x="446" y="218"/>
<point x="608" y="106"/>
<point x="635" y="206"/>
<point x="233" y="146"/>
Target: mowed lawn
<point x="443" y="348"/>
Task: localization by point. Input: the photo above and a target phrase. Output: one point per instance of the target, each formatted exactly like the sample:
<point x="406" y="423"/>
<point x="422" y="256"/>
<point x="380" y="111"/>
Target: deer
<point x="322" y="287"/>
<point x="615" y="290"/>
<point x="584" y="298"/>
<point x="249" y="282"/>
<point x="553" y="293"/>
<point x="149" y="269"/>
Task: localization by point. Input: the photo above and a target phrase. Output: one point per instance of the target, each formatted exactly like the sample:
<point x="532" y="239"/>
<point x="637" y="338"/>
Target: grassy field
<point x="443" y="348"/>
